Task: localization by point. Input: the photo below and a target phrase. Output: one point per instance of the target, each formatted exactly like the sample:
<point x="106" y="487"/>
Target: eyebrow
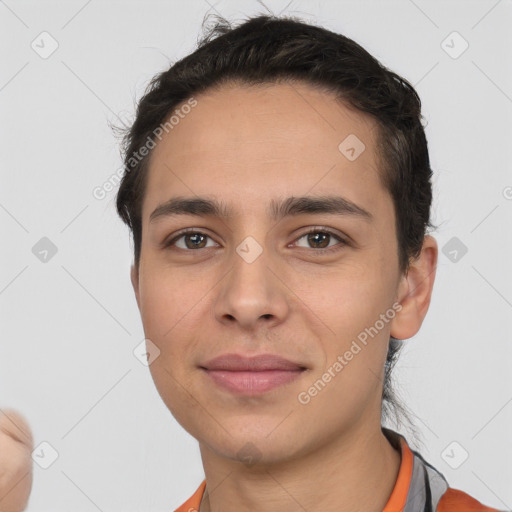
<point x="291" y="206"/>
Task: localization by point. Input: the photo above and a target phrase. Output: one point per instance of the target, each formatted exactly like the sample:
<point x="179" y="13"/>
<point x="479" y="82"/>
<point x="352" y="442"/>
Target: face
<point x="306" y="285"/>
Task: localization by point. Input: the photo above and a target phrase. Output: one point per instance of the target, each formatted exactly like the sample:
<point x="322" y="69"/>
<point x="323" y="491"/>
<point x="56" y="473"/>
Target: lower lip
<point x="253" y="383"/>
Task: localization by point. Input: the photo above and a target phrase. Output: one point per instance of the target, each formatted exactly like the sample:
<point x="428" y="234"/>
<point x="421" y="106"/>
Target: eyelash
<point x="191" y="231"/>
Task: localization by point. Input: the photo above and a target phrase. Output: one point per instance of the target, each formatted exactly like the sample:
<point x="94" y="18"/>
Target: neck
<point x="334" y="478"/>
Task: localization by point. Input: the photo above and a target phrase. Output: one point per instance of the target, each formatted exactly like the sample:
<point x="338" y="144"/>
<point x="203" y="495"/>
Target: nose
<point x="250" y="294"/>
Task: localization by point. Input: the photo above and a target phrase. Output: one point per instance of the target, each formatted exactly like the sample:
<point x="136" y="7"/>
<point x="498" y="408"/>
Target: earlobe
<point x="415" y="291"/>
<point x="134" y="276"/>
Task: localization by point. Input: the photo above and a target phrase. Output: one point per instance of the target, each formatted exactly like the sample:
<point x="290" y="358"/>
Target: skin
<point x="245" y="145"/>
<point x="16" y="445"/>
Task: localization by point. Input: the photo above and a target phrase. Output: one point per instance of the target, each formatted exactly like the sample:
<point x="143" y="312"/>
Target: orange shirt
<point x="418" y="488"/>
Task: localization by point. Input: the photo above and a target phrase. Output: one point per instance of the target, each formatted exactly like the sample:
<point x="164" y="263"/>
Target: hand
<point x="16" y="445"/>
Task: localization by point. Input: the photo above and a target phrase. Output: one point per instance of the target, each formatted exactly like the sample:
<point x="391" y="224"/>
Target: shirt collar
<point x="419" y="486"/>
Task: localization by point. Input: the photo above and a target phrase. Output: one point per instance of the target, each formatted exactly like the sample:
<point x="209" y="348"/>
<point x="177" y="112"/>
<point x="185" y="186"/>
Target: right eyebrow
<point x="191" y="206"/>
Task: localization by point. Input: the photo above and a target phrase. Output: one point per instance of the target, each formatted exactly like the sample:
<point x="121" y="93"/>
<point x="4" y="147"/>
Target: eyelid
<point x="343" y="240"/>
<point x="186" y="231"/>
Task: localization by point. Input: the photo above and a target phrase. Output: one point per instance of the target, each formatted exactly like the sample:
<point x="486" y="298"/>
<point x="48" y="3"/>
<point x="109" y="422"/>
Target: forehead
<point x="273" y="140"/>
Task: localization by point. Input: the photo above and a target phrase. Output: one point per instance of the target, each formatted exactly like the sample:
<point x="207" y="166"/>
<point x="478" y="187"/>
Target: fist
<point x="16" y="445"/>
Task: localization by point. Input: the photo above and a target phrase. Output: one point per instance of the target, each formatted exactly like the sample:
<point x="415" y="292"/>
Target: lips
<point x="251" y="375"/>
<point x="239" y="363"/>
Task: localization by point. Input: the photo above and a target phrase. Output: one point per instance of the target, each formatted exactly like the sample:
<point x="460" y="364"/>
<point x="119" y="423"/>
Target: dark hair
<point x="268" y="49"/>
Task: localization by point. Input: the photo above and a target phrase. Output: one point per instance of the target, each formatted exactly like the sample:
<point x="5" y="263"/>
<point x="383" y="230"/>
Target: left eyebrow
<point x="278" y="209"/>
<point x="333" y="205"/>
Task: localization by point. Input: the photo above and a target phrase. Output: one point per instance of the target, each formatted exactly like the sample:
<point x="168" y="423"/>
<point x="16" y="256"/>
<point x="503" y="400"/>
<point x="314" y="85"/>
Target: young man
<point x="278" y="190"/>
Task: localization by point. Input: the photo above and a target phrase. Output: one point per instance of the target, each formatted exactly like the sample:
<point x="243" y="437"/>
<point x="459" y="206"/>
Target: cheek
<point x="347" y="299"/>
<point x="166" y="297"/>
<point x="170" y="322"/>
<point x="351" y="304"/>
<point x="175" y="385"/>
<point x="348" y="381"/>
<point x="170" y="319"/>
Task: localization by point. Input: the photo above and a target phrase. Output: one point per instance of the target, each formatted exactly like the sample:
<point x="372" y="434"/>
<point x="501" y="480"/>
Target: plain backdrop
<point x="69" y="325"/>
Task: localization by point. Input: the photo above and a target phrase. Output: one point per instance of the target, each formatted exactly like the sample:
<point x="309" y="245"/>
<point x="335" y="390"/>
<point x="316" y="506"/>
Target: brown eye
<point x="192" y="240"/>
<point x="321" y="239"/>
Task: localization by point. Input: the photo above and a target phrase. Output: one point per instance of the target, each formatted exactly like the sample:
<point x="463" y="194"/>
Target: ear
<point x="134" y="276"/>
<point x="414" y="291"/>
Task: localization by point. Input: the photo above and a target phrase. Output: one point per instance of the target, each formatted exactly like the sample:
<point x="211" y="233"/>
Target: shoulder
<point x="454" y="500"/>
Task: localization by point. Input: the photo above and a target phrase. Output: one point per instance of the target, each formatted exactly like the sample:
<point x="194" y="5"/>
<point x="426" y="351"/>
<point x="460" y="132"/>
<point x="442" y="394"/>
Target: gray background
<point x="69" y="325"/>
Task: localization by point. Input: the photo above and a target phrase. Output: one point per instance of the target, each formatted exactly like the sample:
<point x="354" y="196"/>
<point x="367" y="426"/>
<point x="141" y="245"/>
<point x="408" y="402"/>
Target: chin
<point x="253" y="447"/>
